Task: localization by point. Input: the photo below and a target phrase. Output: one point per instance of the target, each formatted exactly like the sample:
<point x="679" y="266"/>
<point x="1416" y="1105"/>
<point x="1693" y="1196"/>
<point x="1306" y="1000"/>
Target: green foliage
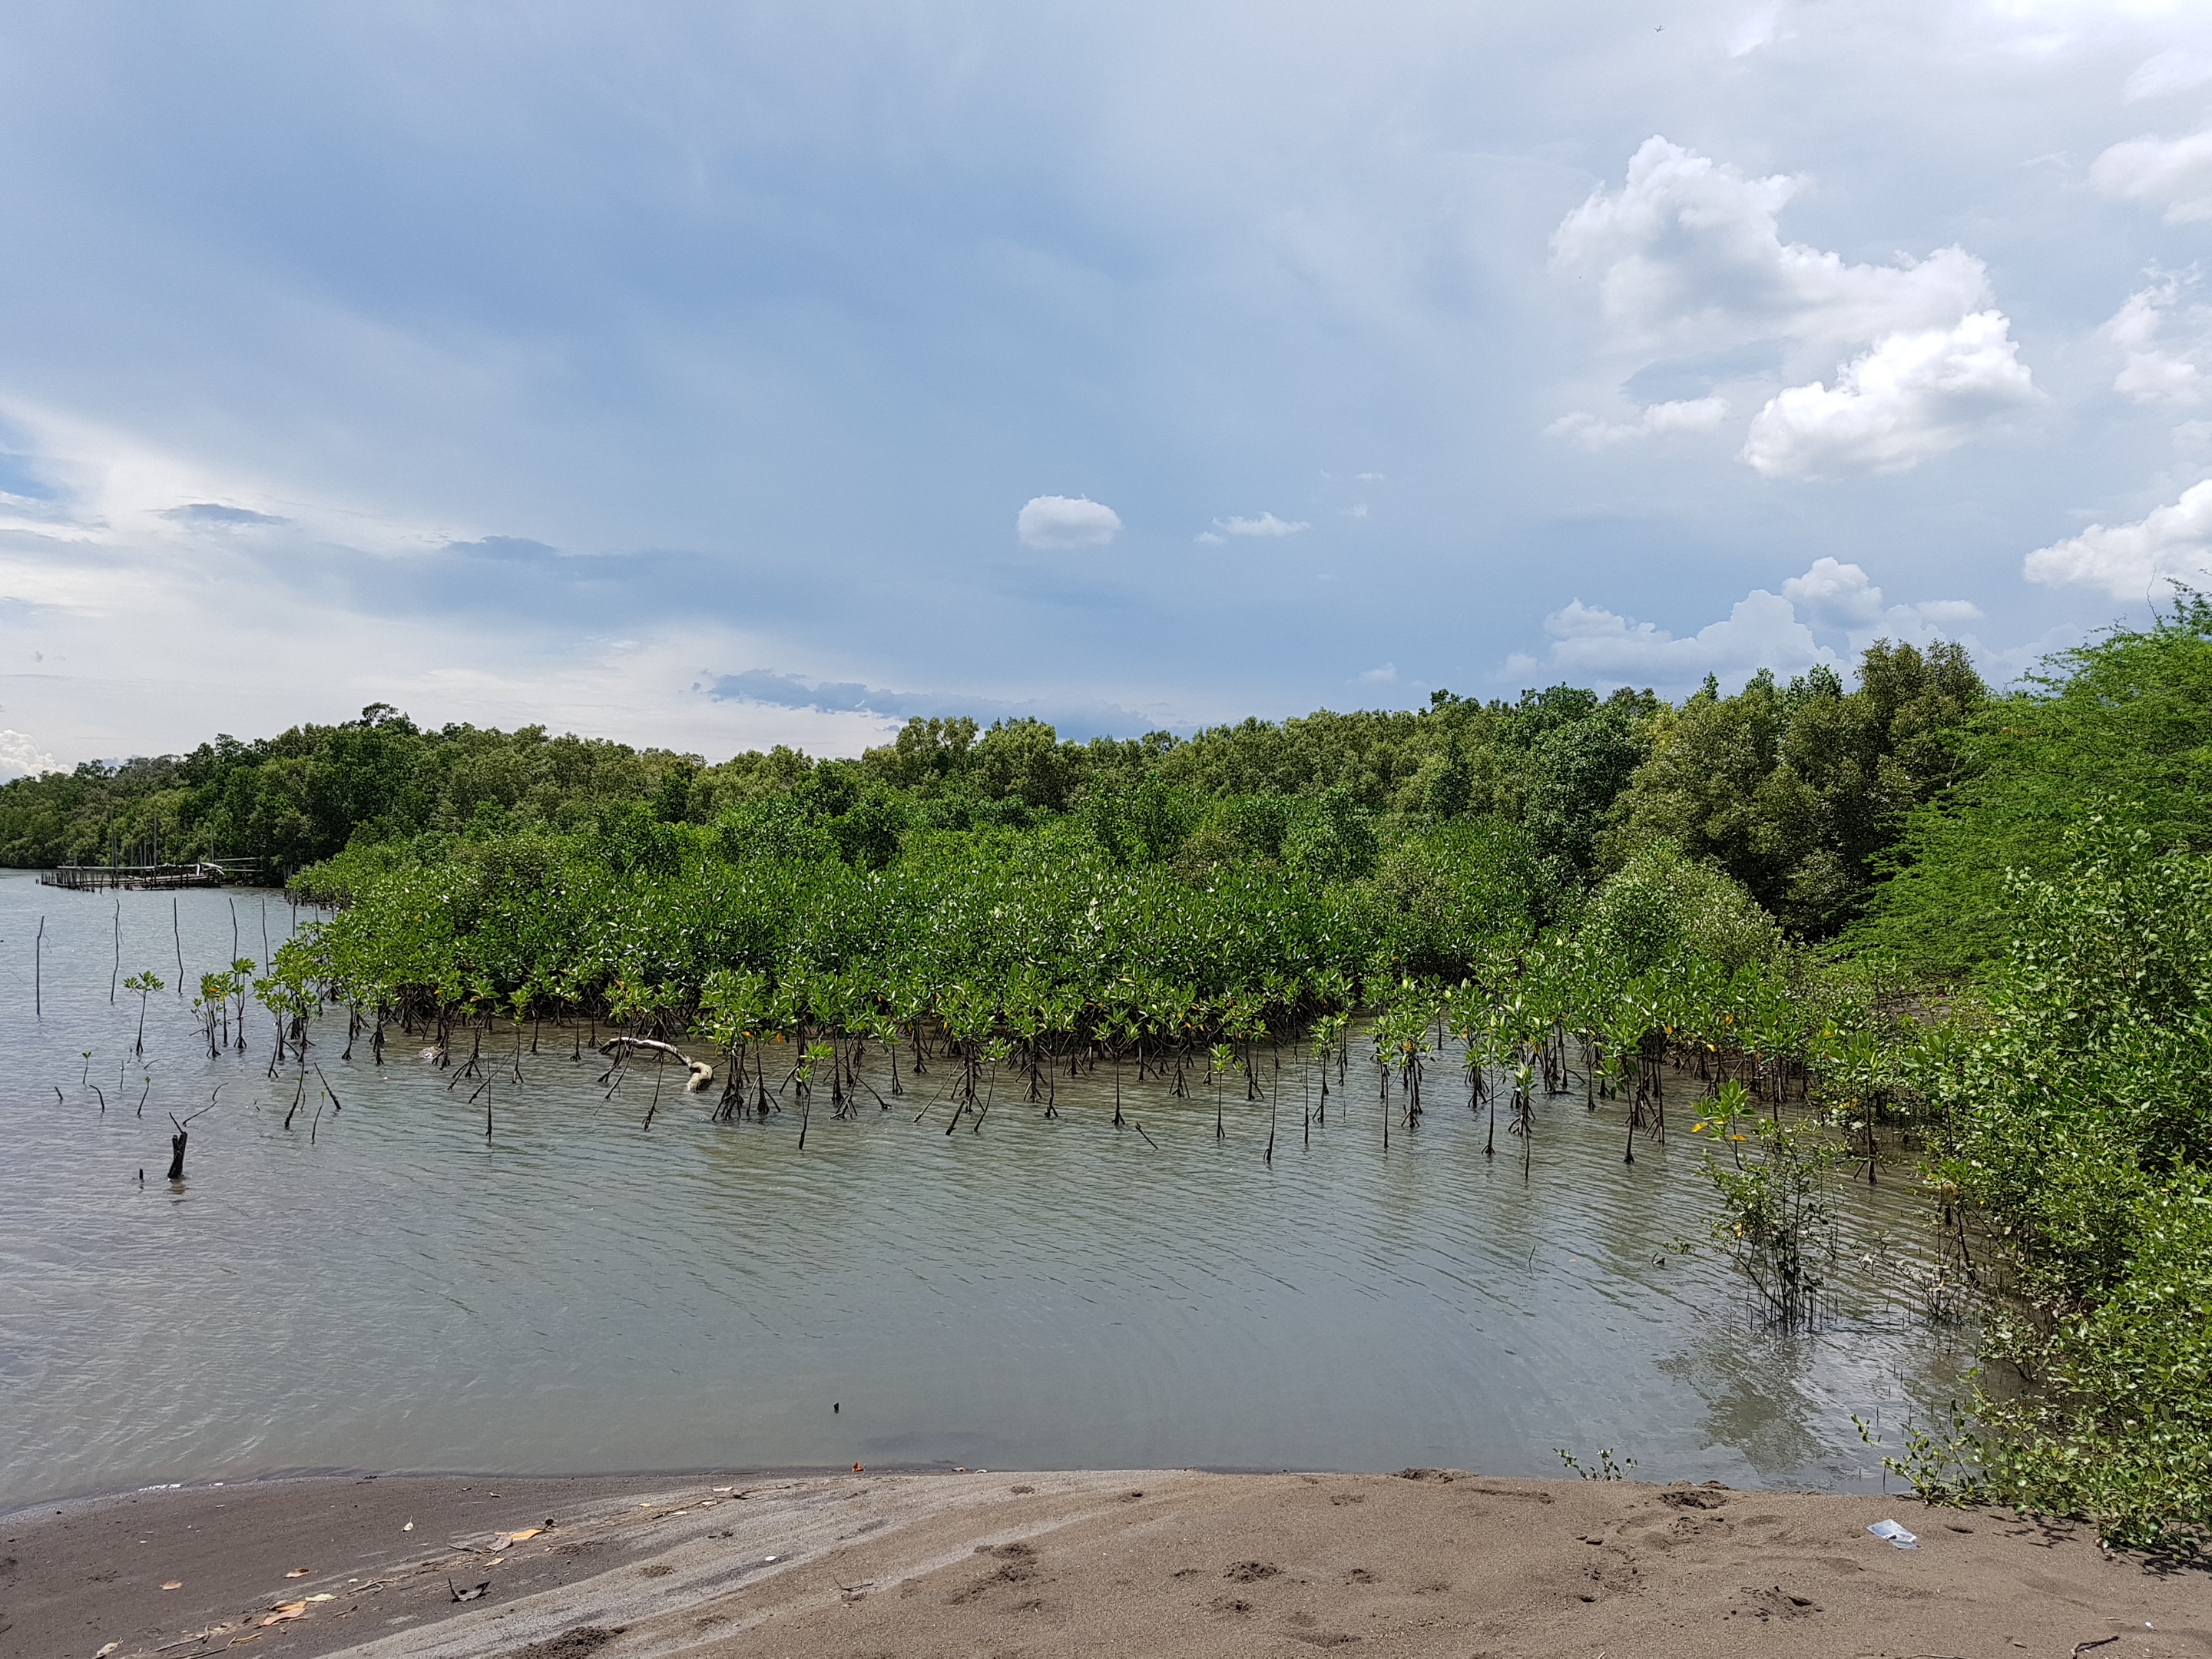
<point x="1662" y="907"/>
<point x="1576" y="769"/>
<point x="1147" y="822"/>
<point x="1328" y="838"/>
<point x="2078" y="1122"/>
<point x="1606" y="1468"/>
<point x="2120" y="1428"/>
<point x="2120" y="728"/>
<point x="1799" y="791"/>
<point x="1776" y="1223"/>
<point x="282" y="803"/>
<point x="1455" y="890"/>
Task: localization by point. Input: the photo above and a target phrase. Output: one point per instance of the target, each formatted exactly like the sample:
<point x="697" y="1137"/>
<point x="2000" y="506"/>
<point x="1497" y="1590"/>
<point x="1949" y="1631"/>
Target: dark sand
<point x="1006" y="1564"/>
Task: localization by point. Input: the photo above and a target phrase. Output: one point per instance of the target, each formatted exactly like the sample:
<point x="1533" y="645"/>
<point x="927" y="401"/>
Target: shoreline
<point x="1169" y="1561"/>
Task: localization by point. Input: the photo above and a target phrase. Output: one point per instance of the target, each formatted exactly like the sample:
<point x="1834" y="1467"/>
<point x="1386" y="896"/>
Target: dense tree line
<point x="1797" y="791"/>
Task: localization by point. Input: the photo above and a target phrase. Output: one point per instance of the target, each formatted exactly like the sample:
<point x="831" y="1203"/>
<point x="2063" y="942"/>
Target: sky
<point x="722" y="376"/>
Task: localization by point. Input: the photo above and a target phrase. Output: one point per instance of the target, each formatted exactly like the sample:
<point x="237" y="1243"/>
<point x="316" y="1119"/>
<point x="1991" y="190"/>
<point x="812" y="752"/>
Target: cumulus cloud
<point x="2172" y="173"/>
<point x="1057" y="522"/>
<point x="1843" y="598"/>
<point x="1763" y="629"/>
<point x="1840" y="595"/>
<point x="1265" y="525"/>
<point x="2167" y="73"/>
<point x="1911" y="398"/>
<point x="1386" y="675"/>
<point x="1690" y="414"/>
<point x="2157" y="367"/>
<point x="1688" y="253"/>
<point x="2174" y="542"/>
<point x="1689" y="257"/>
<point x="1760" y="631"/>
<point x="1943" y="613"/>
<point x="20" y="755"/>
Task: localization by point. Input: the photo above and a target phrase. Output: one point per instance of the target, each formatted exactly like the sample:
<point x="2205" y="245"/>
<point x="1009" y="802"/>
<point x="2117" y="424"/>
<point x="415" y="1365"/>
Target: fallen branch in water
<point x="620" y="1048"/>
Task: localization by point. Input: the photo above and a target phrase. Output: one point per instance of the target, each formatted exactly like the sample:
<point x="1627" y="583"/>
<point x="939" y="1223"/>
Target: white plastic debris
<point x="1896" y="1534"/>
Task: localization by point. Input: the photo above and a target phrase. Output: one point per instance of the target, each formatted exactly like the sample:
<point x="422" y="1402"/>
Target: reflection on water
<point x="579" y="1293"/>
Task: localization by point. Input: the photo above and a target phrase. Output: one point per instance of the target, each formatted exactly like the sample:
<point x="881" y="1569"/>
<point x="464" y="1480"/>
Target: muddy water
<point x="387" y="1288"/>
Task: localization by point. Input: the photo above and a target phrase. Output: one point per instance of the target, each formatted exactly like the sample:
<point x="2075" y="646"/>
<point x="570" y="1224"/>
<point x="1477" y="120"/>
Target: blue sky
<point x="719" y="375"/>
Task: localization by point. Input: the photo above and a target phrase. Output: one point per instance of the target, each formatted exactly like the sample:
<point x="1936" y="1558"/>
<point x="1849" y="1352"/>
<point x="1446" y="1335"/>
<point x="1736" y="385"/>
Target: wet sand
<point x="1097" y="1563"/>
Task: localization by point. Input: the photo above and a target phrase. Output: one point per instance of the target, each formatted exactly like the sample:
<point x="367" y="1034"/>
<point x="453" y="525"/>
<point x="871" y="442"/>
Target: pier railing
<point x="118" y="878"/>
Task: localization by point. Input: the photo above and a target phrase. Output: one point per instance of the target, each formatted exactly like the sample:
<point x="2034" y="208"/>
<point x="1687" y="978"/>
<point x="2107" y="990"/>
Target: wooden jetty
<point x="118" y="878"/>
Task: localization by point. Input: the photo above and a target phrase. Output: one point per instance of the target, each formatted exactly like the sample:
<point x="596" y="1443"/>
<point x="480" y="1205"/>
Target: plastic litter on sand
<point x="1896" y="1534"/>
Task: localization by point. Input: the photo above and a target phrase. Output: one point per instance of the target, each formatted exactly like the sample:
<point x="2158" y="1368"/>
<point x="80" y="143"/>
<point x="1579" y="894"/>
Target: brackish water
<point x="579" y="1293"/>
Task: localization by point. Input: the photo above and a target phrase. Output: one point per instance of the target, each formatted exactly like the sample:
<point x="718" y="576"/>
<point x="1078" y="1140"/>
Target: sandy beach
<point x="1094" y="1563"/>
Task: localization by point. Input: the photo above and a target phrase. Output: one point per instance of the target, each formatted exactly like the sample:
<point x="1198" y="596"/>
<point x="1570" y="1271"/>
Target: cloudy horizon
<point x="717" y="377"/>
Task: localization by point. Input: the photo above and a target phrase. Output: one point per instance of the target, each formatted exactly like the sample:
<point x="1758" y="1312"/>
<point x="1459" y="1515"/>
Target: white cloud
<point x="1689" y="258"/>
<point x="1688" y="253"/>
<point x="1358" y="510"/>
<point x="1762" y="630"/>
<point x="2169" y="72"/>
<point x="1207" y="539"/>
<point x="1839" y="595"/>
<point x="1761" y="28"/>
<point x="2156" y="369"/>
<point x="2174" y="174"/>
<point x="1063" y="521"/>
<point x="1370" y="477"/>
<point x="1944" y="611"/>
<point x="20" y="756"/>
<point x="2128" y="560"/>
<point x="1265" y="525"/>
<point x="159" y="610"/>
<point x="1386" y="675"/>
<point x="1910" y="398"/>
<point x="1691" y="415"/>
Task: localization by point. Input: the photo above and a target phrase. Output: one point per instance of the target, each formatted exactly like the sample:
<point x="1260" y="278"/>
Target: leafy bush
<point x="2080" y="1126"/>
<point x="1661" y="906"/>
<point x="2119" y="728"/>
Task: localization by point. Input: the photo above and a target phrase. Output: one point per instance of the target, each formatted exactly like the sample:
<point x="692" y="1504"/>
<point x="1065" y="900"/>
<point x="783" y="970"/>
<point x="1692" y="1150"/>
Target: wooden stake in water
<point x="115" y="977"/>
<point x="177" y="930"/>
<point x="39" y="972"/>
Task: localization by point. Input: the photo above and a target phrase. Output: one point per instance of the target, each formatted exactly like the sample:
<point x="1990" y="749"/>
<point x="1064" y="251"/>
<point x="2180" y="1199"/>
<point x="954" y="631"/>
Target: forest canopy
<point x="1795" y="790"/>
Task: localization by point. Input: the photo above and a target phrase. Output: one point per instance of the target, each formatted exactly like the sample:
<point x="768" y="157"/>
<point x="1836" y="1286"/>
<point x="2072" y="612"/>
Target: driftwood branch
<point x="621" y="1047"/>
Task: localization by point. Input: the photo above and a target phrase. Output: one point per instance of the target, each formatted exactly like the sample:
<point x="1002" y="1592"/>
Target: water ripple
<point x="581" y="1293"/>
